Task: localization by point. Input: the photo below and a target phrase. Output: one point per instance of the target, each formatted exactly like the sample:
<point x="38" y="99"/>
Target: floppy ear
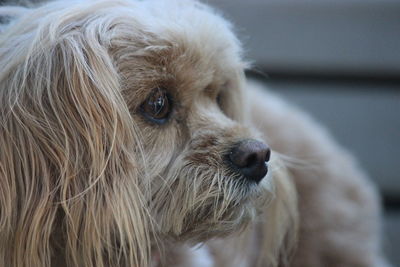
<point x="66" y="162"/>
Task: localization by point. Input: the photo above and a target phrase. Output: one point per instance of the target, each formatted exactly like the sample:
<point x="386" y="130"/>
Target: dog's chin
<point x="236" y="219"/>
<point x="220" y="216"/>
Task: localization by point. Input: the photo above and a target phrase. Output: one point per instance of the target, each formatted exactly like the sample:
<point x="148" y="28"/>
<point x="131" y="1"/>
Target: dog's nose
<point x="250" y="158"/>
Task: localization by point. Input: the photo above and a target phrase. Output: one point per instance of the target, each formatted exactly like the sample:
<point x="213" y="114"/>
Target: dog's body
<point x="126" y="139"/>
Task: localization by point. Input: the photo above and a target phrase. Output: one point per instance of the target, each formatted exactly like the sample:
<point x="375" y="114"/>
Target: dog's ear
<point x="66" y="161"/>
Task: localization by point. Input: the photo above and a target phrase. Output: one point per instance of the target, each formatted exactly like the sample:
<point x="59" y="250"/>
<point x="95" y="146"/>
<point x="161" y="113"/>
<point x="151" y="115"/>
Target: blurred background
<point x="340" y="61"/>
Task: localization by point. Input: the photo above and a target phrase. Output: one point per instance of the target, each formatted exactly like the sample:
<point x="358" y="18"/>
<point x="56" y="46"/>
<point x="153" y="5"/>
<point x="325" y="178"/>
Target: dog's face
<point x="131" y="114"/>
<point x="183" y="89"/>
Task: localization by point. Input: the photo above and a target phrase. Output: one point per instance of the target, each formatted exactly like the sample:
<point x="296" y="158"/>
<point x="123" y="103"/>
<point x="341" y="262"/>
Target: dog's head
<point x="122" y="123"/>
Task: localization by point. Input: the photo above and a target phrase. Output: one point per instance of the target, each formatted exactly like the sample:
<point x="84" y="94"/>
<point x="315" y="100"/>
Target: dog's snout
<point x="250" y="158"/>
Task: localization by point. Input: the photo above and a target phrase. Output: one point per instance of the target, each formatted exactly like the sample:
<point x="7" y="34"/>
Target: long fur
<point x="66" y="134"/>
<point x="85" y="180"/>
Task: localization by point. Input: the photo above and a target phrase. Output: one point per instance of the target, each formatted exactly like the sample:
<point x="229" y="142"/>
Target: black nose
<point x="250" y="158"/>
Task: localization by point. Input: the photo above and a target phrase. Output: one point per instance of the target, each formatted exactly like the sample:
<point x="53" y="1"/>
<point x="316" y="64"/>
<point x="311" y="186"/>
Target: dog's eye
<point x="157" y="106"/>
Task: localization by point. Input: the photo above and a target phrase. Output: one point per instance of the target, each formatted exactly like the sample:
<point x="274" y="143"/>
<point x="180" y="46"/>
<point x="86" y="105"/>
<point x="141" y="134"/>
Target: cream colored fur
<point x="86" y="180"/>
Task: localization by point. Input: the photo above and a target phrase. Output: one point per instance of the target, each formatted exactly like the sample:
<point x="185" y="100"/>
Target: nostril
<point x="249" y="158"/>
<point x="267" y="155"/>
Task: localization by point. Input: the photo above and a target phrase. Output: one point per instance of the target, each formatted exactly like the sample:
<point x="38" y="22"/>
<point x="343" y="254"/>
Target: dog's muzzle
<point x="249" y="158"/>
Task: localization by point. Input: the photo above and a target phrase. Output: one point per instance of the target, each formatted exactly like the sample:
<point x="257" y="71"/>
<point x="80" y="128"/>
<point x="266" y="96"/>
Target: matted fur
<point x="86" y="180"/>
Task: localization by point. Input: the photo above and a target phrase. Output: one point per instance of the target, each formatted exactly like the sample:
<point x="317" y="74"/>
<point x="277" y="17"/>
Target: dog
<point x="131" y="137"/>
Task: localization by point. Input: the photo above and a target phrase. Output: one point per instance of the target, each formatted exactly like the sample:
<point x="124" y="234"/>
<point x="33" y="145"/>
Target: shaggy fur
<point x="87" y="180"/>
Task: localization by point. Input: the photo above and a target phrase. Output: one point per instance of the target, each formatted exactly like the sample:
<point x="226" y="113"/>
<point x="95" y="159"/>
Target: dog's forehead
<point x="191" y="21"/>
<point x="183" y="41"/>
